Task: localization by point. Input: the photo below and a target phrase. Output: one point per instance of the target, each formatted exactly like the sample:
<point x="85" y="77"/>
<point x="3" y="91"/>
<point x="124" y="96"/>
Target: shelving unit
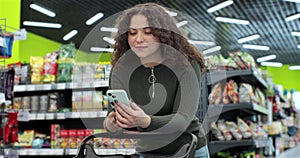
<point x="215" y="112"/>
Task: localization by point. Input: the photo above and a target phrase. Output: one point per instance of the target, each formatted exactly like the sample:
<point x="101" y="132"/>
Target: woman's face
<point x="141" y="40"/>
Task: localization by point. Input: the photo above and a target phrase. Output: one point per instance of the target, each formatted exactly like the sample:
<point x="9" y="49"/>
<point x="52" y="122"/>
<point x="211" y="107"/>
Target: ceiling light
<point x="99" y="49"/>
<point x="94" y="19"/>
<point x="70" y="35"/>
<point x="249" y="38"/>
<point x="219" y="6"/>
<point x="266" y="58"/>
<point x="295" y="33"/>
<point x="207" y="43"/>
<point x="232" y="20"/>
<point x="273" y="64"/>
<point x="42" y="10"/>
<point x="211" y="50"/>
<point x="298" y="46"/>
<point x="108" y="29"/>
<point x="109" y="40"/>
<point x="42" y="24"/>
<point x="181" y="23"/>
<point x="292" y="17"/>
<point x="171" y="13"/>
<point x="258" y="47"/>
<point x="294" y="67"/>
<point x="296" y="1"/>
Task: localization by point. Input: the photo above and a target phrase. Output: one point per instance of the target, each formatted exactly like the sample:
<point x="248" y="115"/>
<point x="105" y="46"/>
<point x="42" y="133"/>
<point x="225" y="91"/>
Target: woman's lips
<point x="140" y="47"/>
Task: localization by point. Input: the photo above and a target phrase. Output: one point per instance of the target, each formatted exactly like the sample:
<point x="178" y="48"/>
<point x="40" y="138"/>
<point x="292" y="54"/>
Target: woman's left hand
<point x="133" y="116"/>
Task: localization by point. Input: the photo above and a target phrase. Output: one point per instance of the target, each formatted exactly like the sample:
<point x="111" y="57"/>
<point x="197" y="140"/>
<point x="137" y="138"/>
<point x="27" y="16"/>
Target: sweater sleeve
<point x="185" y="104"/>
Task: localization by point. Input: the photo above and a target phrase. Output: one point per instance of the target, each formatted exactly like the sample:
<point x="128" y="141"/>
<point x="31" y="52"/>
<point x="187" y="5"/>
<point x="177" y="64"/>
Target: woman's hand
<point x="127" y="117"/>
<point x="111" y="122"/>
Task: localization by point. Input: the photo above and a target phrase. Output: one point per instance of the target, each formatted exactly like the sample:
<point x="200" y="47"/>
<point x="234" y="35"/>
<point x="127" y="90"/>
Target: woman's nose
<point x="140" y="37"/>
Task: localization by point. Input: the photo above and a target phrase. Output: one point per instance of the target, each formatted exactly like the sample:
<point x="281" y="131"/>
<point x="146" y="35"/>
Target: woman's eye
<point x="148" y="32"/>
<point x="131" y="32"/>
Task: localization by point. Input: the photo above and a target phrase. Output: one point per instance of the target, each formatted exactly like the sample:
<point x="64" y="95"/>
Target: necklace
<point x="152" y="80"/>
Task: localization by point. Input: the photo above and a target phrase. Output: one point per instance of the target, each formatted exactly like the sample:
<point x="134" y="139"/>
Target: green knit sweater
<point x="173" y="107"/>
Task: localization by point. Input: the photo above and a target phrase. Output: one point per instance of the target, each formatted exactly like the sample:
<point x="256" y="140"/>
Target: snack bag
<point x="36" y="64"/>
<point x="216" y="131"/>
<point x="244" y="128"/>
<point x="234" y="130"/>
<point x="223" y="128"/>
<point x="215" y="97"/>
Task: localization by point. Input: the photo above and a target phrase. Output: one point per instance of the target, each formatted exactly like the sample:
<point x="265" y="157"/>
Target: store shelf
<point x="248" y="76"/>
<point x="59" y="86"/>
<point x="216" y="146"/>
<point x="66" y="115"/>
<point x="61" y="152"/>
<point x="215" y="110"/>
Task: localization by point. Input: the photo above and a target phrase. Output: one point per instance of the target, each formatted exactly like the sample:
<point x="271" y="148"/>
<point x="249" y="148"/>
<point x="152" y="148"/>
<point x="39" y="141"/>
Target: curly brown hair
<point x="163" y="28"/>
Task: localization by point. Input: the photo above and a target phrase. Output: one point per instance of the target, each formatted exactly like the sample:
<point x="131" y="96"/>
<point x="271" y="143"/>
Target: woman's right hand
<point x="111" y="123"/>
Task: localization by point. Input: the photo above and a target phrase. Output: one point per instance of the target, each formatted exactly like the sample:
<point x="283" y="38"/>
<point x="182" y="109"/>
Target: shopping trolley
<point x="86" y="148"/>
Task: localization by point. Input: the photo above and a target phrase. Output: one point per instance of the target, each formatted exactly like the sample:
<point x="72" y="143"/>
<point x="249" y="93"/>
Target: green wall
<point x="36" y="46"/>
<point x="10" y="10"/>
<point x="287" y="78"/>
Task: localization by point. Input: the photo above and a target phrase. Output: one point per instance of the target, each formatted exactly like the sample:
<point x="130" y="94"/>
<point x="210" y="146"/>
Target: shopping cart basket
<point x="86" y="149"/>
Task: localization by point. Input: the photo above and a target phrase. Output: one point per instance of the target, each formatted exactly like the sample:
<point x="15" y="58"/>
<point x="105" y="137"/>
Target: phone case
<point x="117" y="94"/>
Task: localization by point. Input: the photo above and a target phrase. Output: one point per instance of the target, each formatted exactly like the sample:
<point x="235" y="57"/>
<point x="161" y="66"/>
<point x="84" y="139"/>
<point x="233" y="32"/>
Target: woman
<point x="161" y="73"/>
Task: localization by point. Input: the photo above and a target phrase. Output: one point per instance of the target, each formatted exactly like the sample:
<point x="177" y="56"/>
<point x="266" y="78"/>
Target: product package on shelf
<point x="50" y="65"/>
<point x="66" y="56"/>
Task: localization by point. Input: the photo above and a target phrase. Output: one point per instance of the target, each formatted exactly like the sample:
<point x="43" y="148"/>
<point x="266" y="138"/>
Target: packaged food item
<point x="50" y="65"/>
<point x="246" y="93"/>
<point x="223" y="128"/>
<point x="234" y="130"/>
<point x="215" y="97"/>
<point x="216" y="131"/>
<point x="233" y="91"/>
<point x="244" y="128"/>
<point x="36" y="64"/>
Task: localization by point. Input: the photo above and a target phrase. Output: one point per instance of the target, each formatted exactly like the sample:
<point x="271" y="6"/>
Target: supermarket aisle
<point x="291" y="153"/>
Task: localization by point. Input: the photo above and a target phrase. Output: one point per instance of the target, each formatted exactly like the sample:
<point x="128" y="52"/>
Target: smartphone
<point x="117" y="94"/>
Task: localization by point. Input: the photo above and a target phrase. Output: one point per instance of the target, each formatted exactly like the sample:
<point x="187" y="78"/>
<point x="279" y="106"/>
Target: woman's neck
<point x="151" y="62"/>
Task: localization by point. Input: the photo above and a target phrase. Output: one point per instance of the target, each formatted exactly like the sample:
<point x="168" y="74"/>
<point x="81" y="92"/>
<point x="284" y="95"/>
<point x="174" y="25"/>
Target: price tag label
<point x="61" y="86"/>
<point x="32" y="152"/>
<point x="19" y="88"/>
<point x="84" y="114"/>
<point x="30" y="87"/>
<point x="121" y="151"/>
<point x="32" y="116"/>
<point x="97" y="84"/>
<point x="130" y="151"/>
<point x="72" y="151"/>
<point x="23" y="115"/>
<point x="60" y="116"/>
<point x="102" y="113"/>
<point x="40" y="116"/>
<point x="22" y="152"/>
<point x="111" y="151"/>
<point x="2" y="98"/>
<point x="50" y="116"/>
<point x="92" y="114"/>
<point x="13" y="154"/>
<point x="102" y="151"/>
<point x="74" y="85"/>
<point x="47" y="86"/>
<point x="75" y="115"/>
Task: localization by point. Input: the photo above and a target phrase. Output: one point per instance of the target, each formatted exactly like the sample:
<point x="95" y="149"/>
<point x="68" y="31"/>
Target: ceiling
<point x="267" y="18"/>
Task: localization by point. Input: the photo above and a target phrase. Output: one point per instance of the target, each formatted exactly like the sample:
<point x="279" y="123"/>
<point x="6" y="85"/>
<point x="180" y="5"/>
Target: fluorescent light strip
<point x="232" y="20"/>
<point x="294" y="67"/>
<point x="108" y="29"/>
<point x="182" y="23"/>
<point x="211" y="50"/>
<point x="220" y="6"/>
<point x="295" y="33"/>
<point x="94" y="19"/>
<point x="296" y="1"/>
<point x="42" y="10"/>
<point x="257" y="47"/>
<point x="298" y="46"/>
<point x="249" y="38"/>
<point x="42" y="24"/>
<point x="266" y="58"/>
<point x="292" y="17"/>
<point x="99" y="49"/>
<point x="273" y="64"/>
<point x="171" y="13"/>
<point x="70" y="35"/>
<point x="109" y="40"/>
<point x="207" y="43"/>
